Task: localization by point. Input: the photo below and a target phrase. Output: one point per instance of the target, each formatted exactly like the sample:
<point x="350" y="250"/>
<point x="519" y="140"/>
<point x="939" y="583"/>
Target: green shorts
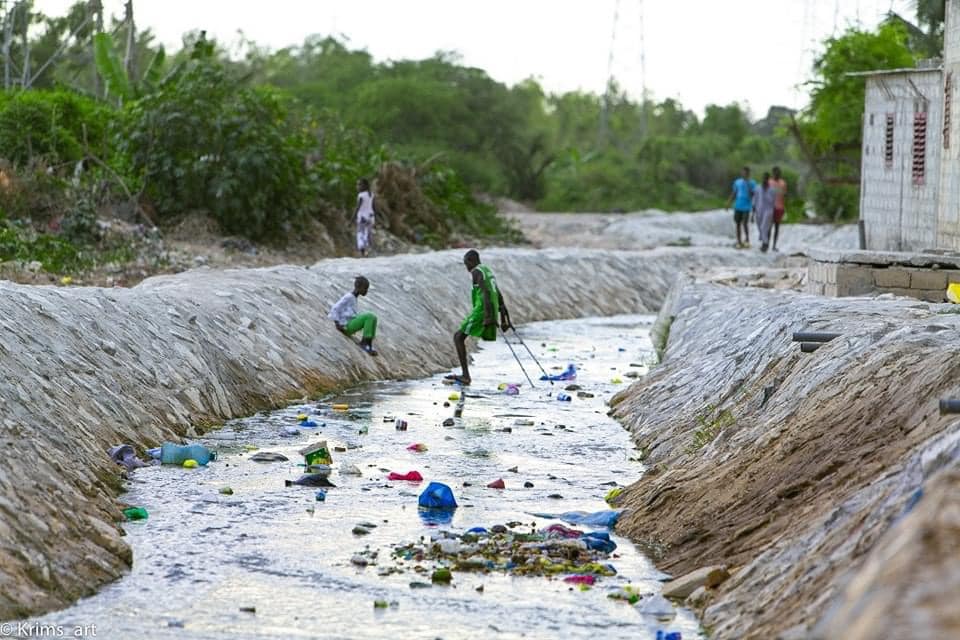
<point x="472" y="325"/>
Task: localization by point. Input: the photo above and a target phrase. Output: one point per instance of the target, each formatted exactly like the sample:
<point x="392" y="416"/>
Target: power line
<point x="604" y="108"/>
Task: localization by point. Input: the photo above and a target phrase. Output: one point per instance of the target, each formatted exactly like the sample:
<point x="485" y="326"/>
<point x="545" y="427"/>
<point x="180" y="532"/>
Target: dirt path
<point x="649" y="229"/>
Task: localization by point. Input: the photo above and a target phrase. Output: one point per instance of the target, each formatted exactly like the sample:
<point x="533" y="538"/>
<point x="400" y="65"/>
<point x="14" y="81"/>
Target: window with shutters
<point x="919" y="147"/>
<point x="888" y="142"/>
<point x="947" y="101"/>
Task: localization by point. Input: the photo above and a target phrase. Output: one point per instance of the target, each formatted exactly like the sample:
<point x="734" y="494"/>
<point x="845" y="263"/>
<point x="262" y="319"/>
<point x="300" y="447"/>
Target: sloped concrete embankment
<point x="84" y="368"/>
<point x="828" y="480"/>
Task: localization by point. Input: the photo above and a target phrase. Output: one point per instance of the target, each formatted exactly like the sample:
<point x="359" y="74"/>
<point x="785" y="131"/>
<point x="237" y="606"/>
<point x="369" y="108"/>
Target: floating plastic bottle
<point x="171" y="453"/>
<point x="564" y="397"/>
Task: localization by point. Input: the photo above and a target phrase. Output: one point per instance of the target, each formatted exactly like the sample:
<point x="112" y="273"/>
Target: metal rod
<point x="949" y="405"/>
<point x="810" y="347"/>
<point x="813" y="336"/>
<point x="542" y="370"/>
<point x="510" y="346"/>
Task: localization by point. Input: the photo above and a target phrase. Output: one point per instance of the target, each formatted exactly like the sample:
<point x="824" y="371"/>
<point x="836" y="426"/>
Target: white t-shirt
<point x="365" y="212"/>
<point x="345" y="310"/>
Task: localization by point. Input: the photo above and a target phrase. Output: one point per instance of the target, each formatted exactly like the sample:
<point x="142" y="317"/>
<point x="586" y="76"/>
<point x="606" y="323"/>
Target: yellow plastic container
<point x="953" y="292"/>
<point x="190" y="464"/>
<point x="341" y="407"/>
<point x="301" y="417"/>
<point x="453" y="397"/>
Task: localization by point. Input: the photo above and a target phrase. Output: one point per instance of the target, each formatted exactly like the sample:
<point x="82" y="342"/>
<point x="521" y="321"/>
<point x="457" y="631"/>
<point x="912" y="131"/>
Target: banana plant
<point x="118" y="82"/>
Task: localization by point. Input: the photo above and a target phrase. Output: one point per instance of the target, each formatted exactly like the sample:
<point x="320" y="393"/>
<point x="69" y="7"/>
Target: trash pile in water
<point x="395" y="453"/>
<point x="509" y="548"/>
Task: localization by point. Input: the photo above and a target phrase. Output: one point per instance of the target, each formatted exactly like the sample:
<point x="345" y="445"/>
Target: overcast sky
<point x="756" y="52"/>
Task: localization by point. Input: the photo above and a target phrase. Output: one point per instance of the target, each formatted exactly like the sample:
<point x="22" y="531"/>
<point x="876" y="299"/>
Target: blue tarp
<point x="597" y="519"/>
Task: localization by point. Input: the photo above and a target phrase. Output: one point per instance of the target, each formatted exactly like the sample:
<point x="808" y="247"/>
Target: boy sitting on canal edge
<point x="348" y="321"/>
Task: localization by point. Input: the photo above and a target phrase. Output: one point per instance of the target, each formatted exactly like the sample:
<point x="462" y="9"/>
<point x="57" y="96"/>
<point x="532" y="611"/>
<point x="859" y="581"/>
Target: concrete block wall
<point x="841" y="279"/>
<point x="900" y="215"/>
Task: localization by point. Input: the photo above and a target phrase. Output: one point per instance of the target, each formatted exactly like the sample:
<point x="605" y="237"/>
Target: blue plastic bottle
<point x="563" y="397"/>
<point x="171" y="453"/>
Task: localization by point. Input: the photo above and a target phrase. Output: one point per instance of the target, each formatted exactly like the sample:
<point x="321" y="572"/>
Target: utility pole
<point x="95" y="7"/>
<point x="25" y="77"/>
<point x="129" y="58"/>
<point x="8" y="16"/>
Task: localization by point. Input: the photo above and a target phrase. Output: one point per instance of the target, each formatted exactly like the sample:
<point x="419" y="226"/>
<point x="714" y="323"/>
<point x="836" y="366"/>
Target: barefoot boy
<point x="482" y="321"/>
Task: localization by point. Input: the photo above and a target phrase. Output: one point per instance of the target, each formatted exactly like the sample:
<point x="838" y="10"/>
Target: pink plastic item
<point x="560" y="531"/>
<point x="580" y="579"/>
<point x="497" y="484"/>
<point x="417" y="447"/>
<point x="411" y="476"/>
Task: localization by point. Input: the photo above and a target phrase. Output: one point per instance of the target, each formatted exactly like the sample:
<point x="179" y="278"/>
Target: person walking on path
<point x="348" y="321"/>
<point x="764" y="198"/>
<point x="742" y="199"/>
<point x="779" y="203"/>
<point x="481" y="322"/>
<point x="365" y="216"/>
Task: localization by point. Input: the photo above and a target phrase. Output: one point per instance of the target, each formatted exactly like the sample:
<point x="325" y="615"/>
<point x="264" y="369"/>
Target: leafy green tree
<point x="205" y="142"/>
<point x="830" y="129"/>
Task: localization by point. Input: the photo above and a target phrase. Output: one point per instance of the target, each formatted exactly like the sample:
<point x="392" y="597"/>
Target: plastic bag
<point x="569" y="374"/>
<point x="599" y="541"/>
<point x="437" y="496"/>
<point x="410" y="476"/>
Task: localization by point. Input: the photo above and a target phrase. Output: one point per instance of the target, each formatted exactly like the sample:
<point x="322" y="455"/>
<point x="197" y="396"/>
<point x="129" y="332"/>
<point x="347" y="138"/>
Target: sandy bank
<point x="84" y="368"/>
<point x="828" y="479"/>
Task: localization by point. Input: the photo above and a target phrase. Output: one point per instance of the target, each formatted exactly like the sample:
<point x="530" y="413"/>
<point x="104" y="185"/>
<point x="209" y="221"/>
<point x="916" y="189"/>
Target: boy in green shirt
<point x="481" y="322"/>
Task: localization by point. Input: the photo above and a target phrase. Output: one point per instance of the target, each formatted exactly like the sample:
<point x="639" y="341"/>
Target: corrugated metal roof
<point x="890" y="72"/>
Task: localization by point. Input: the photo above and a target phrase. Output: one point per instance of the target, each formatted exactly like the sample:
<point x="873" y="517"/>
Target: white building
<point x="910" y="173"/>
<point x="900" y="173"/>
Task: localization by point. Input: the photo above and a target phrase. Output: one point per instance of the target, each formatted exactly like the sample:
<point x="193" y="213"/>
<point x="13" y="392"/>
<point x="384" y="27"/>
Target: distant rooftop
<point x="923" y="66"/>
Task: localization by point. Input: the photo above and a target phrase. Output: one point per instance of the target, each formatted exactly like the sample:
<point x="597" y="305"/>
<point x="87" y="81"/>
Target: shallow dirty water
<point x="203" y="558"/>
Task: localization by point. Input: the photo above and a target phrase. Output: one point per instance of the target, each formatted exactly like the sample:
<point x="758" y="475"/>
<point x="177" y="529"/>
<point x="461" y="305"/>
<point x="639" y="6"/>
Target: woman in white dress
<point x="365" y="216"/>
